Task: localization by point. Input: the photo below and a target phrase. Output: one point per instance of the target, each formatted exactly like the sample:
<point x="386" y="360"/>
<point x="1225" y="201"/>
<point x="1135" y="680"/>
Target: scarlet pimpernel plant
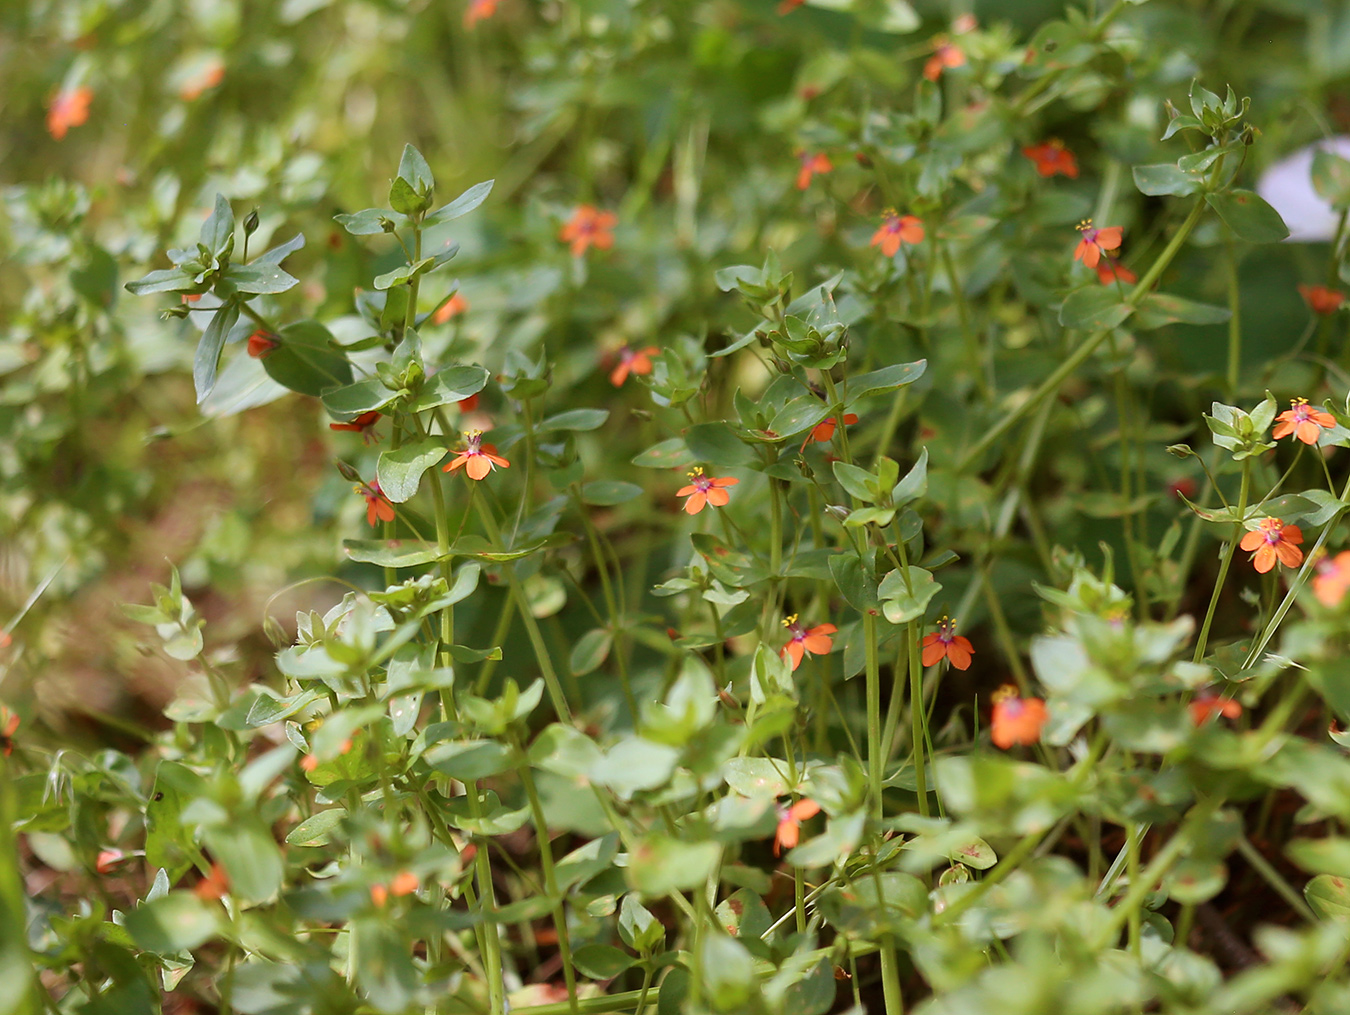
<point x="785" y="568"/>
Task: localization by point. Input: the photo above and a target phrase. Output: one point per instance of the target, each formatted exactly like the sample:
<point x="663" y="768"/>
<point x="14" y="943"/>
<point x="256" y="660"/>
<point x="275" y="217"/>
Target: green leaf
<point x="413" y="169"/>
<point x="1167" y="179"/>
<point x="403" y="198"/>
<point x="1329" y="896"/>
<point x="371" y="221"/>
<point x="471" y="759"/>
<point x="728" y="972"/>
<point x="306" y="360"/>
<point x="389" y="553"/>
<point x="902" y="603"/>
<point x="659" y="864"/>
<point x="163" y="280"/>
<point x="403" y="273"/>
<point x="669" y="454"/>
<point x="1249" y="216"/>
<point x="590" y="650"/>
<point x="757" y="777"/>
<point x="798" y="416"/>
<point x="601" y="961"/>
<point x="353" y="399"/>
<point x="1093" y="308"/>
<point x="915" y="483"/>
<point x="855" y="582"/>
<point x="1321" y="856"/>
<point x="245" y="848"/>
<point x="96" y="278"/>
<point x="608" y="492"/>
<point x="316" y="830"/>
<point x="575" y="420"/>
<point x="856" y="482"/>
<point x="462" y="205"/>
<point x="207" y="359"/>
<point x="259" y="278"/>
<point x="268" y="707"/>
<point x="634" y="764"/>
<point x="279" y="253"/>
<point x="1157" y="309"/>
<point x="400" y="471"/>
<point x="450" y="384"/>
<point x="1331" y="178"/>
<point x="217" y="233"/>
<point x="173" y="923"/>
<point x="717" y="444"/>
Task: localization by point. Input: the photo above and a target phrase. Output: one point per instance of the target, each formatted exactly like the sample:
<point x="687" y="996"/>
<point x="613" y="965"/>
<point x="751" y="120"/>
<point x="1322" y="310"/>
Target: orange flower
<point x="1210" y="704"/>
<point x="945" y="55"/>
<point x="895" y="230"/>
<point x="632" y="361"/>
<point x="945" y="643"/>
<point x="452" y="307"/>
<point x="1109" y="270"/>
<point x="379" y="895"/>
<point x="363" y="424"/>
<point x="1095" y="242"/>
<point x="815" y="641"/>
<point x="214" y="885"/>
<point x="705" y="490"/>
<point x="208" y="77"/>
<point x="108" y="859"/>
<point x="1303" y="421"/>
<point x="588" y="225"/>
<point x="478" y="10"/>
<point x="1274" y="541"/>
<point x="811" y="163"/>
<point x="1321" y="299"/>
<point x="69" y="108"/>
<point x="261" y="342"/>
<point x="1332" y="579"/>
<point x="9" y="725"/>
<point x="1052" y="157"/>
<point x="468" y="404"/>
<point x="788" y="6"/>
<point x="1016" y="720"/>
<point x="404" y="883"/>
<point x="478" y="458"/>
<point x="823" y="433"/>
<point x="790" y="824"/>
<point x="377" y="504"/>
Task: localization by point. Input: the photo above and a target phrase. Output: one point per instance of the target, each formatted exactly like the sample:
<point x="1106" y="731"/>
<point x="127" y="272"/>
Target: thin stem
<point x="550" y="878"/>
<point x="1089" y="345"/>
<point x="874" y="755"/>
<point x="555" y="691"/>
<point x="1228" y="552"/>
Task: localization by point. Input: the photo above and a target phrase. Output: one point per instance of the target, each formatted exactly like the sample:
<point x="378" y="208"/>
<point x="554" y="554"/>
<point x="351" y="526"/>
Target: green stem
<point x="874" y="754"/>
<point x="550" y="879"/>
<point x="1231" y="549"/>
<point x="1235" y="318"/>
<point x="555" y="691"/>
<point x="1089" y="345"/>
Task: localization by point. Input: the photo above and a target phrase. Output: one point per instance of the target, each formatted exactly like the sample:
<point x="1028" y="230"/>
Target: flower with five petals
<point x="1303" y="421"/>
<point x="814" y="641"/>
<point x="705" y="490"/>
<point x="477" y="458"/>
<point x="1273" y="540"/>
<point x="1095" y="242"/>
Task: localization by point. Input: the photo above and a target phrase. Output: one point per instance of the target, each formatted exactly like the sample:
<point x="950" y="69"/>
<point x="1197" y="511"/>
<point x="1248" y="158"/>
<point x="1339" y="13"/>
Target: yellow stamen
<point x="789" y="620"/>
<point x="1005" y="693"/>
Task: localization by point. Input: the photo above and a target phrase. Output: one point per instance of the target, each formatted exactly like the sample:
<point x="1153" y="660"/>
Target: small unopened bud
<point x="251" y="223"/>
<point x="347" y="472"/>
<point x="1180" y="450"/>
